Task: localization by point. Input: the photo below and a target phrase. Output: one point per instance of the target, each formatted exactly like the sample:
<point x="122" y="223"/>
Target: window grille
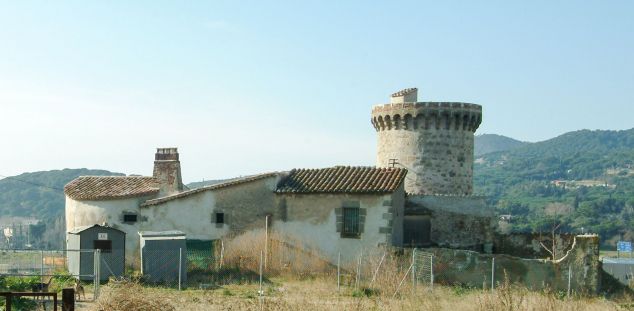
<point x="350" y="222"/>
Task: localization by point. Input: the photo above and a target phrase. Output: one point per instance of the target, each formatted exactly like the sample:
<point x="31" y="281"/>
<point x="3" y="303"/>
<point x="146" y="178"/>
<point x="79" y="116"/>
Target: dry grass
<point x="284" y="256"/>
<point x="298" y="278"/>
<point x="321" y="294"/>
<point x="129" y="296"/>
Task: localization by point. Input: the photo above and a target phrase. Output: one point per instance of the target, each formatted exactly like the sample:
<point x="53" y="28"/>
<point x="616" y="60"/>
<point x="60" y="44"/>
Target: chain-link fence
<point x="50" y="271"/>
<point x="249" y="260"/>
<point x="396" y="272"/>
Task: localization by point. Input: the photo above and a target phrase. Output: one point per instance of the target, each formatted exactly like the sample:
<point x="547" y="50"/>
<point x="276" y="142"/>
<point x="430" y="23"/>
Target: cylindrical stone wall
<point x="434" y="141"/>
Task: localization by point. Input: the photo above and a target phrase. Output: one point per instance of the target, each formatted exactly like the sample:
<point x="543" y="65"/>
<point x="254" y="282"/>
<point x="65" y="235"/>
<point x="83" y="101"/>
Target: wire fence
<point x="390" y="271"/>
<point x="50" y="270"/>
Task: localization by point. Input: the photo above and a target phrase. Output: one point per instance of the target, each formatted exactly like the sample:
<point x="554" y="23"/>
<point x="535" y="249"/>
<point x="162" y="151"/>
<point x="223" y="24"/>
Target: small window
<point x="350" y="222"/>
<point x="129" y="217"/>
<point x="220" y="218"/>
<point x="104" y="245"/>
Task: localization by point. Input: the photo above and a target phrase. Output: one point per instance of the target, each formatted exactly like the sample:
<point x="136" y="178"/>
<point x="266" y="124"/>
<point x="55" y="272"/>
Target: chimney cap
<point x="166" y="154"/>
<point x="168" y="150"/>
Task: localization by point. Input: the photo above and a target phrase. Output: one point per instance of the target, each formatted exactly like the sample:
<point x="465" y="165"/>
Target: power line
<point x="31" y="183"/>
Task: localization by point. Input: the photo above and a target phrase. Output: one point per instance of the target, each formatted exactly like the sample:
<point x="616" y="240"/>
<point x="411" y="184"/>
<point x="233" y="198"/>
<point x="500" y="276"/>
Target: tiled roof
<point x="343" y="179"/>
<point x="232" y="182"/>
<point x="87" y="188"/>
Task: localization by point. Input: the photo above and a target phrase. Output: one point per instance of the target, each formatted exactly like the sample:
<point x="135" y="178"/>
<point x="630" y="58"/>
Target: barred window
<point x="350" y="222"/>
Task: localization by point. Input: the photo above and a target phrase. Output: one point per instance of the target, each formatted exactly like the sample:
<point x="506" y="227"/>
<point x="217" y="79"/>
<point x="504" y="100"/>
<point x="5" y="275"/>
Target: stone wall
<point x="315" y="219"/>
<point x="453" y="267"/>
<point x="434" y="141"/>
<point x="527" y="245"/>
<point x="455" y="221"/>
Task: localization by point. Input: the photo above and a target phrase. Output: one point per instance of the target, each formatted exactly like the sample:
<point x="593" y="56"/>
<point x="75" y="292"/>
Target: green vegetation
<point x="39" y="195"/>
<point x="488" y="143"/>
<point x="18" y="284"/>
<point x="589" y="172"/>
<point x="595" y="170"/>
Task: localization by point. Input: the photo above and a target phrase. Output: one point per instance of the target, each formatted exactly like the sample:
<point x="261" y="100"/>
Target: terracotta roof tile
<point x="88" y="188"/>
<point x="342" y="179"/>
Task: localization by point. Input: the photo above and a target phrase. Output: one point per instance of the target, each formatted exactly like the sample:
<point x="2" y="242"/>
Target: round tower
<point x="433" y="140"/>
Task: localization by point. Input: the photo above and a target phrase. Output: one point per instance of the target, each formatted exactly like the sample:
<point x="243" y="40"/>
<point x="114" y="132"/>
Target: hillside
<point x="39" y="194"/>
<point x="591" y="173"/>
<point x="488" y="143"/>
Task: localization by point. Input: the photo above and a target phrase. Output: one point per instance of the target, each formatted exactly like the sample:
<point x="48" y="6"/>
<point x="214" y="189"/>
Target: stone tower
<point x="167" y="170"/>
<point x="433" y="140"/>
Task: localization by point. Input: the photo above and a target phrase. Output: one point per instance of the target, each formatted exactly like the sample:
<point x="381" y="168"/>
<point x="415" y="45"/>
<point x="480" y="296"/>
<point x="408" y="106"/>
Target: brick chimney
<point x="167" y="170"/>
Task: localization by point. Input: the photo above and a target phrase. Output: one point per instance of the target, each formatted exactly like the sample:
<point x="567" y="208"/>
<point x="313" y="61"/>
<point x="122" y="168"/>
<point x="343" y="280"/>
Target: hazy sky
<point x="247" y="87"/>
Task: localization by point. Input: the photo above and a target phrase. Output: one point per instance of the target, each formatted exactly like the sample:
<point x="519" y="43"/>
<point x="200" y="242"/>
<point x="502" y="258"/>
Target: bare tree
<point x="555" y="216"/>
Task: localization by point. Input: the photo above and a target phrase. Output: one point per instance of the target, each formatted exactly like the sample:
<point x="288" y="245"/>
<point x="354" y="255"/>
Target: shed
<point x="83" y="241"/>
<point x="163" y="255"/>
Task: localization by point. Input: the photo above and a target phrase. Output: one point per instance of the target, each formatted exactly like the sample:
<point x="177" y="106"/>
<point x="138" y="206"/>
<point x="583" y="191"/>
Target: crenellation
<point x="432" y="140"/>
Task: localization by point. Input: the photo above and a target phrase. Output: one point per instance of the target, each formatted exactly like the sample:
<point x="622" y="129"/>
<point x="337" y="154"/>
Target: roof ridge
<point x="343" y="179"/>
<point x="232" y="182"/>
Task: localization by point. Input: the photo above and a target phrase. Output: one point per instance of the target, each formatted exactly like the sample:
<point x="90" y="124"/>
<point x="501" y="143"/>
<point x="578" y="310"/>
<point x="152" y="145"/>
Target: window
<point x="220" y="218"/>
<point x="129" y="217"/>
<point x="104" y="245"/>
<point x="350" y="222"/>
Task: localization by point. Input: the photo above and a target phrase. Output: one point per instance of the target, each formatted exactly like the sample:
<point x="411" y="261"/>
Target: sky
<point x="245" y="87"/>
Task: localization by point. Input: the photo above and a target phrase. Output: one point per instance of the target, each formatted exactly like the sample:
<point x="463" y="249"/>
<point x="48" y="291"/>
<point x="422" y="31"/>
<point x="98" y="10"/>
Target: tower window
<point x="220" y="218"/>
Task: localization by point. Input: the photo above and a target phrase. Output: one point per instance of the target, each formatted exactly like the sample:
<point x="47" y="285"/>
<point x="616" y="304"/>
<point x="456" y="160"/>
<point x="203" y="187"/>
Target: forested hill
<point x="488" y="143"/>
<point x="591" y="172"/>
<point x="39" y="194"/>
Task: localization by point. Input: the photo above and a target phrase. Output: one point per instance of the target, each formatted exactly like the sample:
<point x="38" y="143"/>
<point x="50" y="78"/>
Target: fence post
<point x="94" y="273"/>
<point x="339" y="272"/>
<point x="431" y="271"/>
<point x="97" y="272"/>
<point x="376" y="272"/>
<point x="266" y="239"/>
<point x="414" y="271"/>
<point x="569" y="280"/>
<point x="261" y="292"/>
<point x="180" y="266"/>
<point x="493" y="273"/>
<point x="358" y="276"/>
<point x="42" y="266"/>
<point x="222" y="252"/>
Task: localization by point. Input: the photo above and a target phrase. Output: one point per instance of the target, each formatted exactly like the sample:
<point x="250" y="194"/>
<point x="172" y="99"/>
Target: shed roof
<point x="343" y="179"/>
<point x="230" y="183"/>
<point x="80" y="229"/>
<point x="162" y="235"/>
<point x="88" y="188"/>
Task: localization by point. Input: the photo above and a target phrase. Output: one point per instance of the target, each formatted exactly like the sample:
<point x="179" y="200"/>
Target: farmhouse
<point x="339" y="209"/>
<point x="418" y="194"/>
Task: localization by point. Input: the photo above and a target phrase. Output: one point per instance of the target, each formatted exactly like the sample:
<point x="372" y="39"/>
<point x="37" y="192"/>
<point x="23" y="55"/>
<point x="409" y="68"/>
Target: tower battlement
<point x="427" y="115"/>
<point x="433" y="140"/>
